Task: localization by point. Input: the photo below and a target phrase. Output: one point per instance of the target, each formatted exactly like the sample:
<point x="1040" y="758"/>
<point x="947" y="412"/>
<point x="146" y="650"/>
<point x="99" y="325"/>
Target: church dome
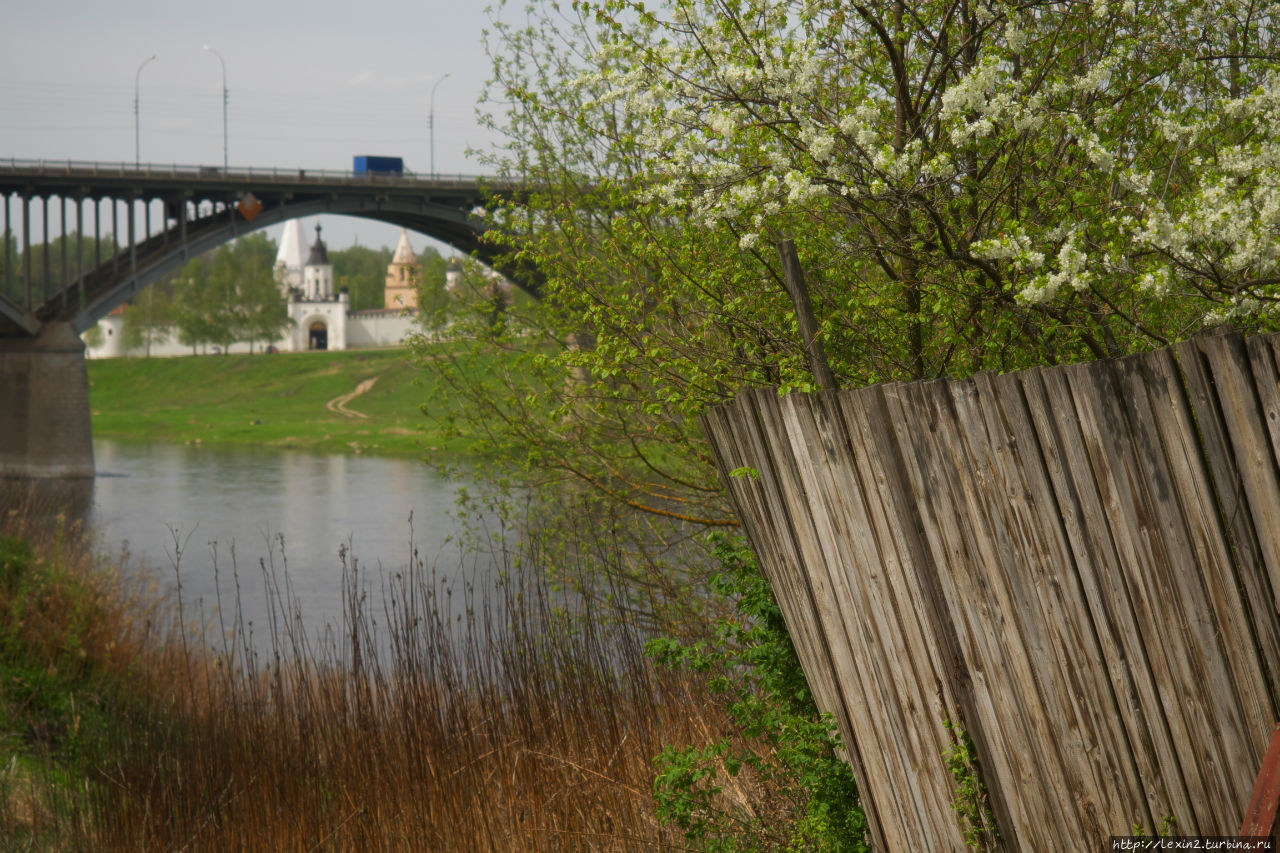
<point x="318" y="257"/>
<point x="404" y="252"/>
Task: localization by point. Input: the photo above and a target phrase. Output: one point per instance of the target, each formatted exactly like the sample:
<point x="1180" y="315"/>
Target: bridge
<point x="159" y="217"/>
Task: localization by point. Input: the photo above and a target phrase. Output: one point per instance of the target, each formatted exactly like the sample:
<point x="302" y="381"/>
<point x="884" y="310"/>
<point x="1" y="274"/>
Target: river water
<point x="168" y="504"/>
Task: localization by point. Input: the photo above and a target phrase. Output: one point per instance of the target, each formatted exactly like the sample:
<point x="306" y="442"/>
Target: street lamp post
<point x="137" y="125"/>
<point x="224" y="104"/>
<point x="431" y="122"/>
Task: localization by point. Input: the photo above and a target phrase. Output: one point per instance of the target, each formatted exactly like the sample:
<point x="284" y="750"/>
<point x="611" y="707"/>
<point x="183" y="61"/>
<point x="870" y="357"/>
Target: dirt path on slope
<point x="339" y="404"/>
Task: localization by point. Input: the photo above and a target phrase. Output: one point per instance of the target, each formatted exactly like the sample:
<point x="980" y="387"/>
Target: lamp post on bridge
<point x="431" y="123"/>
<point x="137" y="125"/>
<point x="224" y="104"/>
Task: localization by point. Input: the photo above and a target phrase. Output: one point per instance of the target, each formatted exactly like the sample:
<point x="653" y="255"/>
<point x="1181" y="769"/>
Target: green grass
<point x="274" y="400"/>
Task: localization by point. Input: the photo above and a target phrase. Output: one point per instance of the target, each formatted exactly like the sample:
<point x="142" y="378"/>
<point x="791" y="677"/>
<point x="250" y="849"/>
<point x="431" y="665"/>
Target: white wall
<point x="354" y="330"/>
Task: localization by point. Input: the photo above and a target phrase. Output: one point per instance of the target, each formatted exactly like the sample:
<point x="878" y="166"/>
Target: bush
<point x="780" y="741"/>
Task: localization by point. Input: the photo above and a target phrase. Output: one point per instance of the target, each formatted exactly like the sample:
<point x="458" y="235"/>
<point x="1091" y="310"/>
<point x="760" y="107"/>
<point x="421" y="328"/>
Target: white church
<point x="320" y="319"/>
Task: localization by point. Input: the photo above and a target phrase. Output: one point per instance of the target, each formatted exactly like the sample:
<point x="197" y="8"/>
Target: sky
<point x="309" y="85"/>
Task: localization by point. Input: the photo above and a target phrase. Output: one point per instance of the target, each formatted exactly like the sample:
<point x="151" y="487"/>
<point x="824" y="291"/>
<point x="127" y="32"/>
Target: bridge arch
<point x="204" y="208"/>
<point x="161" y="254"/>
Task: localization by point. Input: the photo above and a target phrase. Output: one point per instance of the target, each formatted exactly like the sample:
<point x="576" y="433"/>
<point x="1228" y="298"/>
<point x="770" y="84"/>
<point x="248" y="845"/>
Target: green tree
<point x="149" y="317"/>
<point x="196" y="308"/>
<point x="363" y="272"/>
<point x="262" y="314"/>
<point x="433" y="298"/>
<point x="230" y="295"/>
<point x="971" y="186"/>
<point x="93" y="336"/>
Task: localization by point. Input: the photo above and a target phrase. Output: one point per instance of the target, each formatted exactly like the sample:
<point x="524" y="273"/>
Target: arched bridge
<point x="161" y="216"/>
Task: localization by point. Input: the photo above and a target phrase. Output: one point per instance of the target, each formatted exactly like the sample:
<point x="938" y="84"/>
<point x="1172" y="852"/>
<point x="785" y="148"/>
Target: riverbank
<point x="354" y="401"/>
<point x="123" y="731"/>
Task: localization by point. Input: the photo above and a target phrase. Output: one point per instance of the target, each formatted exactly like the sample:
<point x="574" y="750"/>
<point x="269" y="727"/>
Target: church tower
<point x="404" y="273"/>
<point x="291" y="257"/>
<point x="317" y="275"/>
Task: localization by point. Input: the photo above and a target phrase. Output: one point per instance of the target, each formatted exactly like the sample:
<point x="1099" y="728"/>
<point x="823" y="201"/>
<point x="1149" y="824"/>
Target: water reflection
<point x="197" y="506"/>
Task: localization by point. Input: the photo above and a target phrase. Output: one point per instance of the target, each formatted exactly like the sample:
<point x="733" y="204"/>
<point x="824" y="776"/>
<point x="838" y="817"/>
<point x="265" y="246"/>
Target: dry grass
<point x="502" y="718"/>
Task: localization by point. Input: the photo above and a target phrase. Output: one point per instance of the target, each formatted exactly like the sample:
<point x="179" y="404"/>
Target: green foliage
<point x="781" y="741"/>
<point x="51" y="688"/>
<point x="363" y="272"/>
<point x="1167" y="824"/>
<point x="434" y="301"/>
<point x="970" y="801"/>
<point x="150" y="314"/>
<point x="993" y="187"/>
<point x="230" y="295"/>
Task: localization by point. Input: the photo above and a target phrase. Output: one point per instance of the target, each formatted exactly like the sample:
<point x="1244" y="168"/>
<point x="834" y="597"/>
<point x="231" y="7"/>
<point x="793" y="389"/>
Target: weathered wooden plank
<point x="906" y="581"/>
<point x="1024" y="644"/>
<point x="1070" y="583"/>
<point x="875" y="723"/>
<point x="1249" y="570"/>
<point x="1238" y="649"/>
<point x="1264" y="353"/>
<point x="1087" y="518"/>
<point x="785" y="568"/>
<point x="780" y="557"/>
<point x="924" y="425"/>
<point x="879" y="655"/>
<point x="1040" y="557"/>
<point x="1116" y="452"/>
<point x="1250" y="445"/>
<point x="1185" y="622"/>
<point x="1119" y="455"/>
<point x="1079" y="701"/>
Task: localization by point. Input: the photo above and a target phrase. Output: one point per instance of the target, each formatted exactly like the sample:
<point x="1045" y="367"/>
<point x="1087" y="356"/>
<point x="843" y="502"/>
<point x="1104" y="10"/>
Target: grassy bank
<point x="356" y="401"/>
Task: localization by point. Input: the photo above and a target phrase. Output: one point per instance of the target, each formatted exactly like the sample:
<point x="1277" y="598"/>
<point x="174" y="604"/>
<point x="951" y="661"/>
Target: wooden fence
<point x="1078" y="565"/>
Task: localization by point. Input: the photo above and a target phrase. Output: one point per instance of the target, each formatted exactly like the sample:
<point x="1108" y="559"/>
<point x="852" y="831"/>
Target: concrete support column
<point x="44" y="405"/>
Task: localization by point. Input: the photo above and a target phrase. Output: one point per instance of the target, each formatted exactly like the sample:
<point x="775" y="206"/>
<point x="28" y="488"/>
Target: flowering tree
<point x="971" y="185"/>
<point x="987" y="177"/>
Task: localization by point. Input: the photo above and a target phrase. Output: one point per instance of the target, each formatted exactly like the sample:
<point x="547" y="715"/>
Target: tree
<point x="363" y="271"/>
<point x="230" y="295"/>
<point x="197" y="308"/>
<point x="262" y="312"/>
<point x="149" y="317"/>
<point x="971" y="186"/>
<point x="433" y="297"/>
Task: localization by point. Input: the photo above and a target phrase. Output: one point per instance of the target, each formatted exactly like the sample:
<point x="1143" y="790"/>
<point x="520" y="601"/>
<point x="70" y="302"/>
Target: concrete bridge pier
<point x="44" y="406"/>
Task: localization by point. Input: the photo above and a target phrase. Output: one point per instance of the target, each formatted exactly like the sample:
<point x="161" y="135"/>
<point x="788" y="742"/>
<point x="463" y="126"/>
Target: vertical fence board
<point x="1024" y="643"/>
<point x="739" y="441"/>
<point x="1240" y="659"/>
<point x="1183" y="615"/>
<point x="1250" y="445"/>
<point x="877" y="718"/>
<point x="1229" y="497"/>
<point x="1113" y="456"/>
<point x="920" y="414"/>
<point x="879" y="643"/>
<point x="1079" y="700"/>
<point x="1093" y="553"/>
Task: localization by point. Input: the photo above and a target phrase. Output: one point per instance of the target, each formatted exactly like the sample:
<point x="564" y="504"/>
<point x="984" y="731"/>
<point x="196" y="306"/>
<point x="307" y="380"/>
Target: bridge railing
<point x="173" y="170"/>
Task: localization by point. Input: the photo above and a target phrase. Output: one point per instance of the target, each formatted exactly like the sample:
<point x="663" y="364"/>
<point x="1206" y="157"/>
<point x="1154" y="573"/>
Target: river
<point x="167" y="504"/>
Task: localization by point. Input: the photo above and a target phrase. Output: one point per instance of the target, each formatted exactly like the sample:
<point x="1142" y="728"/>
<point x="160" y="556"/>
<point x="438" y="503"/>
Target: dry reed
<point x="505" y="717"/>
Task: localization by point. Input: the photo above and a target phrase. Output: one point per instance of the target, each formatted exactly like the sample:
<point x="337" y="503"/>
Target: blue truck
<point x="366" y="164"/>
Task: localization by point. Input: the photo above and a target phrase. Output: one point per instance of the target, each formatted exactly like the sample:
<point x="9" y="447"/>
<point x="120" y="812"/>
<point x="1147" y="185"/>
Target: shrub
<point x="779" y="740"/>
